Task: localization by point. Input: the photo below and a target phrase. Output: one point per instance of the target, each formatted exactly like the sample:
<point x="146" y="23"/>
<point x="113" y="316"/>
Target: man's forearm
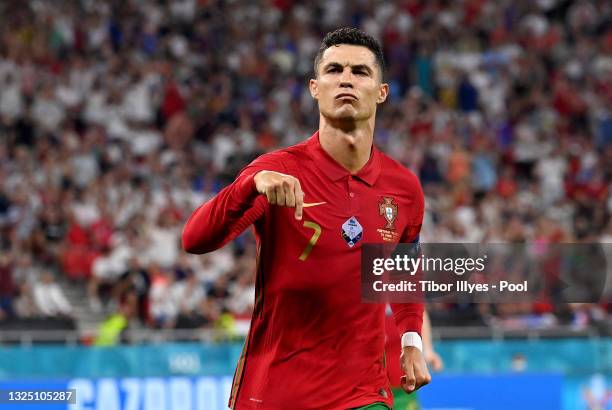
<point x="224" y="217"/>
<point x="408" y="317"/>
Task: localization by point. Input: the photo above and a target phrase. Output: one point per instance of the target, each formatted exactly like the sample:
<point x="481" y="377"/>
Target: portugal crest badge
<point x="388" y="210"/>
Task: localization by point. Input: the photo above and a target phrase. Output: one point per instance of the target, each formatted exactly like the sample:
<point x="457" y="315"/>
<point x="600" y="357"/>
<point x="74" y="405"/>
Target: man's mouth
<point x="345" y="95"/>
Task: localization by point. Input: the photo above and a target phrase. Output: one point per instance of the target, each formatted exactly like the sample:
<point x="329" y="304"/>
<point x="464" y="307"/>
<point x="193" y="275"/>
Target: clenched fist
<point x="281" y="190"/>
<point x="416" y="374"/>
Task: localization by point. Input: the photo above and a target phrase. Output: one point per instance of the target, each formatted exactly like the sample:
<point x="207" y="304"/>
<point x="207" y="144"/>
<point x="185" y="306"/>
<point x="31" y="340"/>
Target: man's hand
<point x="281" y="190"/>
<point x="413" y="364"/>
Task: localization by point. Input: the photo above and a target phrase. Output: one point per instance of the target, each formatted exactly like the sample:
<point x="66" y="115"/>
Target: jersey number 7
<point x="313" y="239"/>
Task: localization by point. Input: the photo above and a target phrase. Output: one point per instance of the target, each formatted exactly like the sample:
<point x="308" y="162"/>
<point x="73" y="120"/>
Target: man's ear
<point x="313" y="85"/>
<point x="383" y="92"/>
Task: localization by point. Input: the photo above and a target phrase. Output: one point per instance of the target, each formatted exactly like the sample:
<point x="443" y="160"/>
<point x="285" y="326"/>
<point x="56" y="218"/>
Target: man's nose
<point x="346" y="80"/>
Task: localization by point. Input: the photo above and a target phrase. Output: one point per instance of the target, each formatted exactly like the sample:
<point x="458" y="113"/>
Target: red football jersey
<point x="312" y="343"/>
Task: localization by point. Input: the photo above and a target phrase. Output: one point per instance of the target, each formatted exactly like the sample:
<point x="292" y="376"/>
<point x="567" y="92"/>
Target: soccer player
<point x="312" y="343"/>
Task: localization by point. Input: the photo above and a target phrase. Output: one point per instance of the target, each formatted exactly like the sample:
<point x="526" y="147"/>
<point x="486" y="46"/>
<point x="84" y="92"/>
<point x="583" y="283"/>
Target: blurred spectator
<point x="189" y="294"/>
<point x="25" y="306"/>
<point x="108" y="266"/>
<point x="136" y="280"/>
<point x="219" y="290"/>
<point x="164" y="305"/>
<point x="242" y="295"/>
<point x="112" y="329"/>
<point x="49" y="297"/>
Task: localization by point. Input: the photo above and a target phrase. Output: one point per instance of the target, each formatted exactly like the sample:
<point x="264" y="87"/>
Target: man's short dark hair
<point x="352" y="36"/>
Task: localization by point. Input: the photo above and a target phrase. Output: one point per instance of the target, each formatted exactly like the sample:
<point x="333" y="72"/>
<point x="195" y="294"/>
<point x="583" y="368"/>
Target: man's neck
<point x="349" y="146"/>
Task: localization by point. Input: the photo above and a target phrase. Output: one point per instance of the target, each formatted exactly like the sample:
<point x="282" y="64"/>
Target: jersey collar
<point x="334" y="171"/>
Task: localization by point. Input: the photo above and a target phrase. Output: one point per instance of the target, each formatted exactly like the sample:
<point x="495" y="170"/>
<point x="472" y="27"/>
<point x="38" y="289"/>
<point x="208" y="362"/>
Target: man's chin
<point x="344" y="114"/>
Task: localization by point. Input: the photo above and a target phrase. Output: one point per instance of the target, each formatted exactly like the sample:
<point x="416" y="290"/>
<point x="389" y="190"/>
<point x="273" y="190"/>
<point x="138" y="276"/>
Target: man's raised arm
<point x="238" y="205"/>
<point x="224" y="217"/>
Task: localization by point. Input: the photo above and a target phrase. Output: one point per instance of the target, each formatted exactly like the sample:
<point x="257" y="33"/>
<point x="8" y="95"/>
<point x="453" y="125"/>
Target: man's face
<point x="348" y="84"/>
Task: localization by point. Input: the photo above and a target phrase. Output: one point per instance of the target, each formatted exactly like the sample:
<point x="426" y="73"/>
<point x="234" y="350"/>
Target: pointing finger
<point x="299" y="202"/>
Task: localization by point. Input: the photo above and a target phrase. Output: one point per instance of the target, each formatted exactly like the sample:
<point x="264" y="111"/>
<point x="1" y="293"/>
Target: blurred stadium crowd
<point x="118" y="118"/>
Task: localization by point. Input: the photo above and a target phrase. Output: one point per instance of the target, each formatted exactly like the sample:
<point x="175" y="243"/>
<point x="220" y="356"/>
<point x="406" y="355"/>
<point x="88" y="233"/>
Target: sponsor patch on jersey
<point x="352" y="231"/>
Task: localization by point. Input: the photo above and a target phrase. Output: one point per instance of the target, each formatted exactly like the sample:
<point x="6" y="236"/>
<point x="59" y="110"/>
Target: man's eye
<point x="359" y="72"/>
<point x="333" y="70"/>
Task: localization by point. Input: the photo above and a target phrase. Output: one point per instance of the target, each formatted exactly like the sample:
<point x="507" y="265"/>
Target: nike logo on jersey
<point x="308" y="205"/>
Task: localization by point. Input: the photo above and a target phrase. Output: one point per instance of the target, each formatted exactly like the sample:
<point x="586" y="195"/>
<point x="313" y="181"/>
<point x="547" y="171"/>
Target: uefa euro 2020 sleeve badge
<point x="352" y="231"/>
